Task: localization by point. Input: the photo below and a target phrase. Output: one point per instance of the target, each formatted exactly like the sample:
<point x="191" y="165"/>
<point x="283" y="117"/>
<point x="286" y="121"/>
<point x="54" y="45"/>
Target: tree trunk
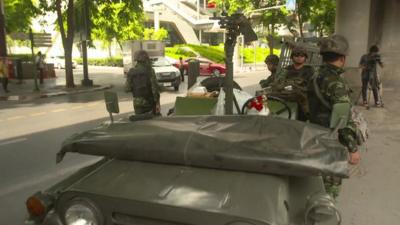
<point x="300" y="18"/>
<point x="3" y="44"/>
<point x="271" y="43"/>
<point x="109" y="50"/>
<point x="67" y="39"/>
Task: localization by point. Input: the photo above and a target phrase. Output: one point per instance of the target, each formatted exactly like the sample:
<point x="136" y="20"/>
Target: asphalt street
<point x="31" y="134"/>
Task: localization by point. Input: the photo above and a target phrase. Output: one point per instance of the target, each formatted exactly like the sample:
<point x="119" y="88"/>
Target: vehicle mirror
<point x="111" y="99"/>
<point x="340" y="115"/>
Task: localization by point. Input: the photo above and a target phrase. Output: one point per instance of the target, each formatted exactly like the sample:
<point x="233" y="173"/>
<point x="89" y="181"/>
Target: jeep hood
<point x="154" y="190"/>
<point x="256" y="144"/>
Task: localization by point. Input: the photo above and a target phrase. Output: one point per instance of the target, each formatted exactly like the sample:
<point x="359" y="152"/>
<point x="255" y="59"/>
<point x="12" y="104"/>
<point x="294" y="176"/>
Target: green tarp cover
<point x="259" y="144"/>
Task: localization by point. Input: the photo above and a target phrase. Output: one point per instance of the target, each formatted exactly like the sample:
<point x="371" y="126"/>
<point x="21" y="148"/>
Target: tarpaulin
<point x="259" y="144"/>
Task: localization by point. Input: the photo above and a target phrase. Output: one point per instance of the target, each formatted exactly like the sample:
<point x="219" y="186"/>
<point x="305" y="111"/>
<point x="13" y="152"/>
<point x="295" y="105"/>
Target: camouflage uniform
<point x="272" y="61"/>
<point x="145" y="91"/>
<point x="298" y="80"/>
<point x="334" y="89"/>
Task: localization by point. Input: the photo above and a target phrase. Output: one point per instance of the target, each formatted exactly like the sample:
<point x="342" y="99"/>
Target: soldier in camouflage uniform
<point x="143" y="84"/>
<point x="332" y="89"/>
<point x="291" y="82"/>
<point x="272" y="62"/>
<point x="298" y="70"/>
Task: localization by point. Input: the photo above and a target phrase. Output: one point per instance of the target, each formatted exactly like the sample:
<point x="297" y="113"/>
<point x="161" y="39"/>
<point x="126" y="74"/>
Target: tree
<point x="19" y="14"/>
<point x="323" y="14"/>
<point x="115" y="14"/>
<point x="119" y="20"/>
<point x="151" y="34"/>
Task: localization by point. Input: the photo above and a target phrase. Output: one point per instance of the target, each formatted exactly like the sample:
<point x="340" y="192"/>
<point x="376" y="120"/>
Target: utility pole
<point x="3" y="44"/>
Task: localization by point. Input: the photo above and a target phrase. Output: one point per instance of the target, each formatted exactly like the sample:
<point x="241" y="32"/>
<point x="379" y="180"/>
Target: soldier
<point x="298" y="69"/>
<point x="272" y="64"/>
<point x="143" y="85"/>
<point x="328" y="87"/>
<point x="369" y="74"/>
<point x="291" y="82"/>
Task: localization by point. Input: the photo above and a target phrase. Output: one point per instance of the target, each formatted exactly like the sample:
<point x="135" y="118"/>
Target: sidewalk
<point x="52" y="87"/>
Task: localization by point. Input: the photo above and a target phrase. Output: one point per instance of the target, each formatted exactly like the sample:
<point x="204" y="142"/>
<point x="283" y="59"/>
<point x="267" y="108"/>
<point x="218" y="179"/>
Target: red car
<point x="207" y="67"/>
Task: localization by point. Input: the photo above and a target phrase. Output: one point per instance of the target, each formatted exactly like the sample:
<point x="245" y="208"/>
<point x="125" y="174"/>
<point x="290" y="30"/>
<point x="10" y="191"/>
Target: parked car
<point x="167" y="75"/>
<point x="207" y="67"/>
<point x="59" y="62"/>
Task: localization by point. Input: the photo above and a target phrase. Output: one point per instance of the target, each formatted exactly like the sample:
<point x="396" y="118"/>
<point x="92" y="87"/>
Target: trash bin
<point x="193" y="72"/>
<point x="18" y="68"/>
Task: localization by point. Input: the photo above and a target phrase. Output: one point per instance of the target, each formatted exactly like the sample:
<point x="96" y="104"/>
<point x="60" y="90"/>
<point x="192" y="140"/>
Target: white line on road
<point x="58" y="110"/>
<point x="15" y="117"/>
<point x="38" y="114"/>
<point x="92" y="104"/>
<point x="77" y="107"/>
<point x="13" y="141"/>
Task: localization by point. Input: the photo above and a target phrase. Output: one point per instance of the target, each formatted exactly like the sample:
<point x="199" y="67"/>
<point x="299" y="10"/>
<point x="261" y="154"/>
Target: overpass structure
<point x="189" y="19"/>
<point x="368" y="22"/>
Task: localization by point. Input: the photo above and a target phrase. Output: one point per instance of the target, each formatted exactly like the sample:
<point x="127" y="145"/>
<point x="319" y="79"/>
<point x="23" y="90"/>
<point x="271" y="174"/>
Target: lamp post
<point x="86" y="37"/>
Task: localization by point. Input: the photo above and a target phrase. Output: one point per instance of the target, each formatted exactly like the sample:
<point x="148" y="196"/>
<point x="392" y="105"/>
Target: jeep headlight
<point x="321" y="209"/>
<point x="82" y="212"/>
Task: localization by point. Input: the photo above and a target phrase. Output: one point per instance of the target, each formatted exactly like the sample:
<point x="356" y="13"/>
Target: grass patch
<point x="215" y="53"/>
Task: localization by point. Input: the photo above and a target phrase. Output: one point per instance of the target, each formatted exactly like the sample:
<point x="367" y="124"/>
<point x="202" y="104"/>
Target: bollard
<point x="193" y="72"/>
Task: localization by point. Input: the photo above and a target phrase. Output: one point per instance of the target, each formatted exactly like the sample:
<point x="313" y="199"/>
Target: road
<point x="31" y="134"/>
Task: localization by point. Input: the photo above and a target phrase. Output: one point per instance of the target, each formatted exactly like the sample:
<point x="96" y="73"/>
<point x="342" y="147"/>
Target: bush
<point x="215" y="53"/>
<point x="114" y="61"/>
<point x="23" y="57"/>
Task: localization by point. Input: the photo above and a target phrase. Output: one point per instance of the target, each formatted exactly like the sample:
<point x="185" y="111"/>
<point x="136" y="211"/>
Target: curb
<point x="52" y="94"/>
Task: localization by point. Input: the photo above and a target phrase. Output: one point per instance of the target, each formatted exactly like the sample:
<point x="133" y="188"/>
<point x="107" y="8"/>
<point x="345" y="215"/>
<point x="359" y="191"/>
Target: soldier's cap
<point x="141" y="56"/>
<point x="273" y="59"/>
<point x="335" y="44"/>
<point x="298" y="50"/>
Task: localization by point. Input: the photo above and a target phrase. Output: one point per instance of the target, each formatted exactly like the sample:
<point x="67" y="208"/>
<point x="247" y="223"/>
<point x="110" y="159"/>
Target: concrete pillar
<point x="156" y="19"/>
<point x="390" y="44"/>
<point x="352" y="21"/>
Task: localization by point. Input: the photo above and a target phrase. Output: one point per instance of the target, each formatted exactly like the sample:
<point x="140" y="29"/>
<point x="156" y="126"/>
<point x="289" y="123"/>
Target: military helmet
<point x="298" y="50"/>
<point x="141" y="56"/>
<point x="273" y="59"/>
<point x="335" y="44"/>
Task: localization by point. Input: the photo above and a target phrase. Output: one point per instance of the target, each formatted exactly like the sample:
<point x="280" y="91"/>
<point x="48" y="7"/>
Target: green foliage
<point x="122" y="20"/>
<point x="261" y="53"/>
<point x="215" y="53"/>
<point x="179" y="51"/>
<point x="23" y="57"/>
<point x="114" y="61"/>
<point x="150" y="34"/>
<point x="18" y="15"/>
<point x="323" y="16"/>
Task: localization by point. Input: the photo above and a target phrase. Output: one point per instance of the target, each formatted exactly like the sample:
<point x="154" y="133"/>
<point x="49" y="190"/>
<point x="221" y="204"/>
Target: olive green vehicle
<point x="200" y="167"/>
<point x="196" y="170"/>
